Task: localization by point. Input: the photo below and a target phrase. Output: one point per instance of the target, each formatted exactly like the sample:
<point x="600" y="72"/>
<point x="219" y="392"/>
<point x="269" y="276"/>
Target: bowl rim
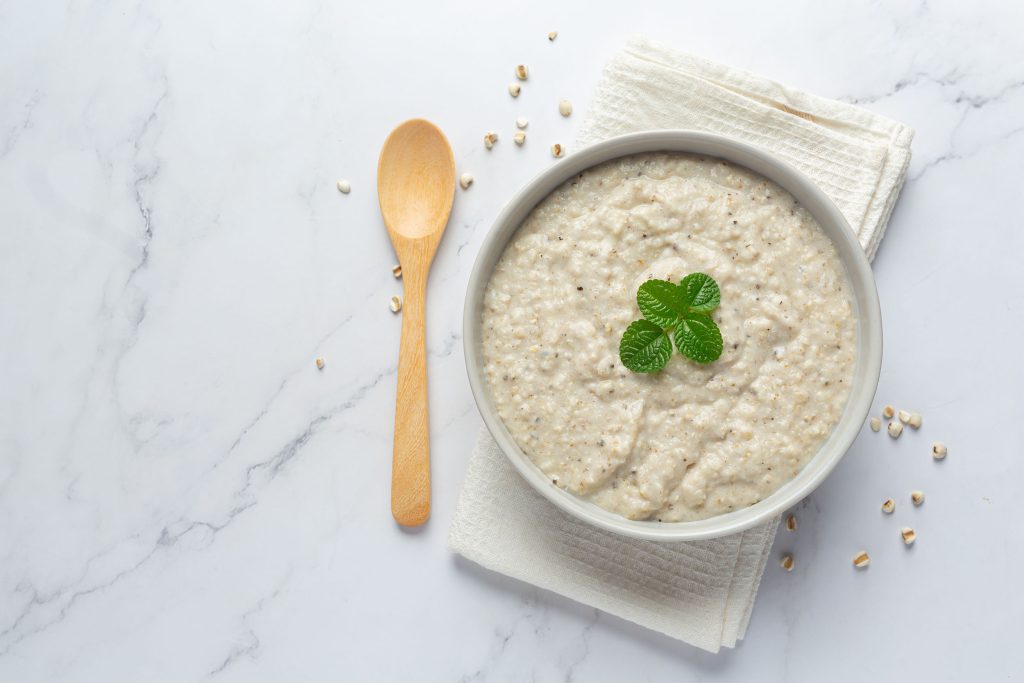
<point x="832" y="222"/>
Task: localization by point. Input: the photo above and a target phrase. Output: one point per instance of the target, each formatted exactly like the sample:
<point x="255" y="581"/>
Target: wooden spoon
<point x="416" y="186"/>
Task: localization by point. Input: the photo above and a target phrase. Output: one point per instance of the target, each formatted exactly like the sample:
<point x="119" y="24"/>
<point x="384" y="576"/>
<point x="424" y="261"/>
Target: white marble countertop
<point x="184" y="496"/>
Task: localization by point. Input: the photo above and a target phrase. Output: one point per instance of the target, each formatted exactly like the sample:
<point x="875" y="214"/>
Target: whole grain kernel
<point x="465" y="180"/>
<point x="320" y="363"/>
<point x="904" y="416"/>
<point x="861" y="559"/>
<point x="396" y="304"/>
<point x="938" y="450"/>
<point x="514" y="89"/>
<point x="557" y="151"/>
<point x="490" y="138"/>
<point x="522" y="73"/>
<point x="565" y="107"/>
<point x="895" y="429"/>
<point x="876" y="424"/>
<point x="344" y="186"/>
<point x="917" y="497"/>
<point x="791" y="522"/>
<point x="908" y="535"/>
<point x="519" y="137"/>
<point x="888" y="412"/>
<point x="552" y="35"/>
<point x="522" y="123"/>
<point x="786" y="562"/>
<point x="396" y="270"/>
<point x="915" y="420"/>
<point x="888" y="506"/>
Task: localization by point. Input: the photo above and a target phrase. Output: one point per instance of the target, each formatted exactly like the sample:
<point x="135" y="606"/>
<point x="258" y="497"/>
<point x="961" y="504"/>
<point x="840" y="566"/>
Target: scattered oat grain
<point x="895" y="429"/>
<point x="320" y="363"/>
<point x="465" y="180"/>
<point x="552" y="35"/>
<point x="888" y="412"/>
<point x="908" y="535"/>
<point x="917" y="497"/>
<point x="888" y="506"/>
<point x="396" y="304"/>
<point x="565" y="107"/>
<point x="915" y="420"/>
<point x="939" y="450"/>
<point x="861" y="559"/>
<point x="787" y="562"/>
<point x="490" y="138"/>
<point x="557" y="151"/>
<point x="514" y="89"/>
<point x="791" y="523"/>
<point x="519" y="137"/>
<point x="522" y="73"/>
<point x="396" y="270"/>
<point x="876" y="424"/>
<point x="522" y="123"/>
<point x="344" y="186"/>
<point x="904" y="416"/>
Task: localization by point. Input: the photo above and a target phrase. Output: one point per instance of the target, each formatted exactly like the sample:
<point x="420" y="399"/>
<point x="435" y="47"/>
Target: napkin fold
<point x="700" y="592"/>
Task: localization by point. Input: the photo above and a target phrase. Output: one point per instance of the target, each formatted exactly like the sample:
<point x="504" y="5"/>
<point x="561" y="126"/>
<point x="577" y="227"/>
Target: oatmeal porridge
<point x="691" y="441"/>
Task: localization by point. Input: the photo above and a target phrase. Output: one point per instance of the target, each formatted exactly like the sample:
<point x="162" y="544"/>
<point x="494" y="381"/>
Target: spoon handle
<point x="410" y="468"/>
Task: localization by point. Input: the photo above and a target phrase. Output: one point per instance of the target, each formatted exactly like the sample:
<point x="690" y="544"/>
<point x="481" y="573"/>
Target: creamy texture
<point x="691" y="441"/>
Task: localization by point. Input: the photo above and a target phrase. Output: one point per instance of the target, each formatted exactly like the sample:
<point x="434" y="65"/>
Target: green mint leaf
<point x="645" y="347"/>
<point x="698" y="338"/>
<point x="701" y="292"/>
<point x="673" y="313"/>
<point x="661" y="302"/>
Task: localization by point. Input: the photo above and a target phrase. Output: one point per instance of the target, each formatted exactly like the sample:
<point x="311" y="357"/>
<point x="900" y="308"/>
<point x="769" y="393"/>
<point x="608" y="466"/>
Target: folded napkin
<point x="700" y="592"/>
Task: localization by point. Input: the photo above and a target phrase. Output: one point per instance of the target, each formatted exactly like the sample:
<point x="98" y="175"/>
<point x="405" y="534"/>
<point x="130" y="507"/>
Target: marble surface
<point x="183" y="496"/>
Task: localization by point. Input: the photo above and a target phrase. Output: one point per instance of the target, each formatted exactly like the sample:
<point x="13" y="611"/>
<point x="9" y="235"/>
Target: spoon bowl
<point x="416" y="181"/>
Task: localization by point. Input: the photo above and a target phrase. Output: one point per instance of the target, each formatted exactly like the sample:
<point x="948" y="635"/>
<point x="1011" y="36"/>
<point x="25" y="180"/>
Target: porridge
<point x="691" y="441"/>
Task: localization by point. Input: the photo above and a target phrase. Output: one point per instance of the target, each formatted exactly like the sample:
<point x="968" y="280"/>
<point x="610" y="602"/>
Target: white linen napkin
<point x="699" y="592"/>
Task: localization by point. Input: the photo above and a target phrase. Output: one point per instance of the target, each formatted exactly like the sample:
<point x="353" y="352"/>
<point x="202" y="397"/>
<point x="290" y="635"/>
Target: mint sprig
<point x="673" y="313"/>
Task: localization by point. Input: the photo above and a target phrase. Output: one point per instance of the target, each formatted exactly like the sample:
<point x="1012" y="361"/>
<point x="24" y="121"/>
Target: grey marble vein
<point x="17" y="129"/>
<point x="251" y="645"/>
<point x="570" y="671"/>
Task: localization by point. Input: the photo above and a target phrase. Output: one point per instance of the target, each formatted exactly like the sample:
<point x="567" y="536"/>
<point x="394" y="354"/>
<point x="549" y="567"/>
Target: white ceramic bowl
<point x="869" y="329"/>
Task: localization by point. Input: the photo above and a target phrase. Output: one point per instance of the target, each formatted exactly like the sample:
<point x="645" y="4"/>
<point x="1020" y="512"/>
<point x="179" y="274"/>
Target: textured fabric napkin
<point x="699" y="592"/>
